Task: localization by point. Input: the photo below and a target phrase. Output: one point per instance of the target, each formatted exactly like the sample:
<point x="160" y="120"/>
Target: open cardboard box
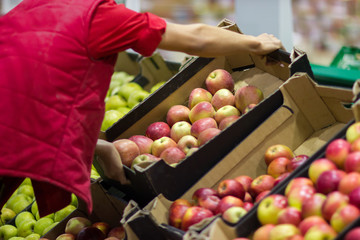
<point x="106" y="207"/>
<point x="160" y="178"/>
<point x="308" y="117"/>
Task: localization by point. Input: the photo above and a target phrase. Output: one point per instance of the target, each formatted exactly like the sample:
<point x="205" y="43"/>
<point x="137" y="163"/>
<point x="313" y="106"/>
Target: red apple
<point x="281" y="178"/>
<point x="207" y="135"/>
<point x="297" y="196"/>
<point x="353" y="234"/>
<point x="337" y="151"/>
<point x="352" y="162"/>
<point x="296" y="161"/>
<point x="309" y="222"/>
<point x="177" y="113"/>
<point x="328" y="181"/>
<point x="353" y="132"/>
<point x="128" y="150"/>
<point x="321" y="232"/>
<point x="187" y="142"/>
<point x="194" y="215"/>
<point x="261" y="195"/>
<point x="226" y="111"/>
<point x="234" y="214"/>
<point x="75" y="224"/>
<point x="245" y="180"/>
<point x="298" y="182"/>
<point x="354" y="197"/>
<point x="223" y="97"/>
<point x="263" y="232"/>
<point x="172" y="155"/>
<point x="278" y="166"/>
<point x="90" y="233"/>
<point x="118" y="232"/>
<point x="289" y="215"/>
<point x="269" y="208"/>
<point x="144" y="143"/>
<point x="219" y="79"/>
<point x="180" y="201"/>
<point x="209" y="202"/>
<point x="227" y="122"/>
<point x="64" y="236"/>
<point x="261" y="183"/>
<point x="202" y="193"/>
<point x="158" y="130"/>
<point x="231" y="187"/>
<point x="103" y="226"/>
<point x="201" y="110"/>
<point x="355" y="146"/>
<point x="248" y="205"/>
<point x="180" y="129"/>
<point x="202" y="124"/>
<point x="159" y="145"/>
<point x="246" y="95"/>
<point x="199" y="95"/>
<point x="343" y="216"/>
<point x="319" y="166"/>
<point x="176" y="214"/>
<point x="283" y="231"/>
<point x="334" y="200"/>
<point x="313" y="206"/>
<point x="277" y="150"/>
<point x="227" y="202"/>
<point x="349" y="182"/>
<point x="249" y="107"/>
<point x="112" y="238"/>
<point x="145" y="157"/>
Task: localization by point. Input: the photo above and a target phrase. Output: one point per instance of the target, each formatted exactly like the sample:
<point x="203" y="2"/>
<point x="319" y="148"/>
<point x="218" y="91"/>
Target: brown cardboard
<point x="310" y="115"/>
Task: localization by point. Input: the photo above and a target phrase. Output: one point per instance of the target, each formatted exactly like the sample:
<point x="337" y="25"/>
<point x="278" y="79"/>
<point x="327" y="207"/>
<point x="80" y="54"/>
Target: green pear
<point x="16" y="238"/>
<point x="33" y="236"/>
<point x="20" y="206"/>
<point x="128" y="88"/>
<point x="26" y="227"/>
<point x="27" y="181"/>
<point x="41" y="224"/>
<point x="114" y="102"/>
<point x="157" y="86"/>
<point x="47" y="229"/>
<point x="23" y="216"/>
<point x="137" y="97"/>
<point x="6" y="215"/>
<point x="14" y="199"/>
<point x="27" y="190"/>
<point x="63" y="213"/>
<point x="34" y="208"/>
<point x="8" y="231"/>
<point x="124" y="110"/>
<point x="74" y="200"/>
<point x="110" y="117"/>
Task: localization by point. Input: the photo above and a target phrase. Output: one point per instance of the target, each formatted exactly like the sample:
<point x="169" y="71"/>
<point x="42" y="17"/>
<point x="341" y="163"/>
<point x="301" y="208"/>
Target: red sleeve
<point x="116" y="28"/>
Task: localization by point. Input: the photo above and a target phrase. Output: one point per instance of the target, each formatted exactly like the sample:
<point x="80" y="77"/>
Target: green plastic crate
<point x="347" y="58"/>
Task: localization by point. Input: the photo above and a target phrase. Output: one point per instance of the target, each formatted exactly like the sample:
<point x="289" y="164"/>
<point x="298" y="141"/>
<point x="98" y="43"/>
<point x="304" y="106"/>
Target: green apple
<point x="114" y="102"/>
<point x="124" y="110"/>
<point x="41" y="224"/>
<point x="63" y="213"/>
<point x="14" y="199"/>
<point x="33" y="236"/>
<point x="6" y="215"/>
<point x="8" y="231"/>
<point x="128" y="88"/>
<point x="137" y="97"/>
<point x="23" y="216"/>
<point x="27" y="190"/>
<point x="157" y="86"/>
<point x="47" y="229"/>
<point x="74" y="200"/>
<point x="26" y="227"/>
<point x="110" y="117"/>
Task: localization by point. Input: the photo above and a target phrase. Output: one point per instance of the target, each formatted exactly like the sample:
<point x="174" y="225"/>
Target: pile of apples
<point x="81" y="228"/>
<point x="321" y="205"/>
<point x="187" y="127"/>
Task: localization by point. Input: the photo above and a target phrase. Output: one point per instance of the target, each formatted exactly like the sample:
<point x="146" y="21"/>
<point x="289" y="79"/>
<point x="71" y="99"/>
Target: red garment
<point x="52" y="99"/>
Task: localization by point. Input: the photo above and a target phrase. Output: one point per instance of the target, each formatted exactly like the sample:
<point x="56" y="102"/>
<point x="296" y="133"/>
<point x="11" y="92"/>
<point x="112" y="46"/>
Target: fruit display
<point x="189" y="126"/>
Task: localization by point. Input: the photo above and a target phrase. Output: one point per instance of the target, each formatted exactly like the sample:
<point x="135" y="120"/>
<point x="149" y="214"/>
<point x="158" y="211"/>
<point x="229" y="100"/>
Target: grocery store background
<point x="318" y="27"/>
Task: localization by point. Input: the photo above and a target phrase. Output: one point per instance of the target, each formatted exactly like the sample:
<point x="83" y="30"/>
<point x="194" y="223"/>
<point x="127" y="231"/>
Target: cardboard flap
<point x="230" y="25"/>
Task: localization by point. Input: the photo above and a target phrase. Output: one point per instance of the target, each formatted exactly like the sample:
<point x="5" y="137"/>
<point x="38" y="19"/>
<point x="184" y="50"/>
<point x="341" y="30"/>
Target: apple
<point x="277" y="150"/>
<point x="114" y="102"/>
<point x="233" y="214"/>
<point x="227" y="122"/>
<point x="193" y="215"/>
<point x="103" y="226"/>
<point x="246" y="95"/>
<point x="353" y="234"/>
<point x="187" y="142"/>
<point x="313" y="206"/>
<point x="263" y="232"/>
<point x="354" y="197"/>
<point x="209" y="202"/>
<point x="334" y="200"/>
<point x="278" y="166"/>
<point x="26" y="227"/>
<point x="110" y="117"/>
<point x="6" y="215"/>
<point x="159" y="145"/>
<point x="156" y="86"/>
<point x="328" y="181"/>
<point x="128" y="88"/>
<point x="283" y="231"/>
<point x="145" y="157"/>
<point x="176" y="214"/>
<point x="66" y="236"/>
<point x="177" y="113"/>
<point x="219" y="79"/>
<point x="343" y="216"/>
<point x="157" y="130"/>
<point x="309" y="222"/>
<point x="269" y="208"/>
<point x="117" y="231"/>
<point x="353" y="132"/>
<point x="355" y="146"/>
<point x="349" y="182"/>
<point x="191" y="151"/>
<point x="23" y="216"/>
<point x="22" y="200"/>
<point x="320" y="232"/>
<point x="352" y="162"/>
<point x="198" y="95"/>
<point x="202" y="193"/>
<point x="207" y="135"/>
<point x="172" y="155"/>
<point x="248" y="205"/>
<point x="32" y="236"/>
<point x="180" y="129"/>
<point x="298" y="182"/>
<point x="280" y="178"/>
<point x="127" y="149"/>
<point x="8" y="231"/>
<point x="223" y="97"/>
<point x="231" y="187"/>
<point x="90" y="233"/>
<point x="227" y="202"/>
<point x="337" y="151"/>
<point x="226" y="111"/>
<point x="261" y="195"/>
<point x="319" y="166"/>
<point x="296" y="161"/>
<point x="137" y="97"/>
<point x="289" y="215"/>
<point x="144" y="143"/>
<point x="75" y="224"/>
<point x="41" y="224"/>
<point x="202" y="124"/>
<point x="180" y="201"/>
<point x="201" y="110"/>
<point x="297" y="196"/>
<point x="261" y="183"/>
<point x="245" y="181"/>
<point x="249" y="107"/>
<point x="112" y="238"/>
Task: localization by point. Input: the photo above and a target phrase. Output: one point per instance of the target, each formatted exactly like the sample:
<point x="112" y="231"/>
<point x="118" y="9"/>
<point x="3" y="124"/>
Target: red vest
<point x="51" y="93"/>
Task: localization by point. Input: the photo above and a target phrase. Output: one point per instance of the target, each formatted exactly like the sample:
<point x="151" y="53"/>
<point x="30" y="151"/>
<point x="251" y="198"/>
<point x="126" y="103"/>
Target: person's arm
<point x="110" y="161"/>
<point x="210" y="41"/>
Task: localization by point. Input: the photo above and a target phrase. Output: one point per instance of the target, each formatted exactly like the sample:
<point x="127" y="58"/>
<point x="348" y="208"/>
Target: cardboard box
<point x="106" y="207"/>
<point x="309" y="116"/>
<point x="159" y="177"/>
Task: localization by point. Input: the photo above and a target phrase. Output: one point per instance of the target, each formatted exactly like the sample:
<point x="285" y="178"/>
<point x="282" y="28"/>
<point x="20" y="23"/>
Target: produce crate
<point x="307" y="118"/>
<point x="347" y="58"/>
<point x="159" y="177"/>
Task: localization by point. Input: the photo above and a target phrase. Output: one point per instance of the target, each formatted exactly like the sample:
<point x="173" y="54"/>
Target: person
<point x="56" y="62"/>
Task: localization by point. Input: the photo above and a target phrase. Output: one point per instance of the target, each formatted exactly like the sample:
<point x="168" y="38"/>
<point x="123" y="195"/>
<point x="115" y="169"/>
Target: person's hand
<point x="110" y="161"/>
<point x="269" y="43"/>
